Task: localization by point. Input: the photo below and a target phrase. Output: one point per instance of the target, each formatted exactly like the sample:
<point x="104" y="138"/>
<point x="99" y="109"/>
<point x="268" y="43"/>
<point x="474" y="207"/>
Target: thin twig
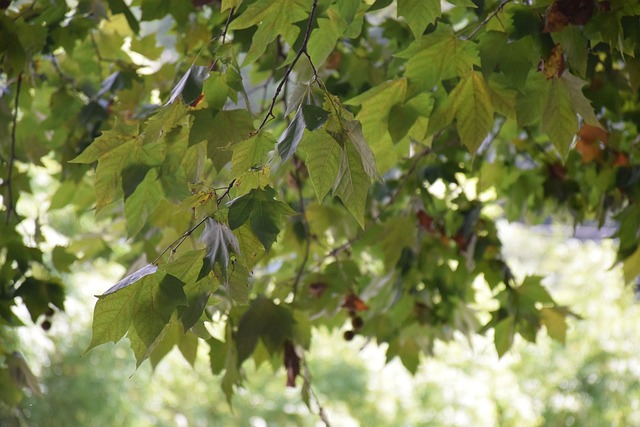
<point x="488" y="18"/>
<point x="302" y="51"/>
<point x="305" y="226"/>
<point x="307" y="379"/>
<point x="226" y="193"/>
<point x="12" y="155"/>
<point x="176" y="243"/>
<point x="224" y="36"/>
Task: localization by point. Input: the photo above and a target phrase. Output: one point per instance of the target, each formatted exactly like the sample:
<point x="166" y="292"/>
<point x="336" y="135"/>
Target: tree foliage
<point x="267" y="167"/>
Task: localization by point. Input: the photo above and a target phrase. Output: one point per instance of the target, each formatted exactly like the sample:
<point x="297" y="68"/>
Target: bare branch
<point x="302" y="51"/>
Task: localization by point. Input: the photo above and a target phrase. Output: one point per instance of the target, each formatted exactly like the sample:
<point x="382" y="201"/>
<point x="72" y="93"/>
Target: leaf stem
<point x="12" y="154"/>
<point x="302" y="51"/>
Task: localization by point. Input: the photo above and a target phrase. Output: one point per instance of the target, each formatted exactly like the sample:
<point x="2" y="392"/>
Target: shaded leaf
<point x="314" y="117"/>
<point x="288" y="143"/>
<point x="219" y="241"/>
<point x="263" y="212"/>
<point x="190" y="85"/>
<point x="263" y="320"/>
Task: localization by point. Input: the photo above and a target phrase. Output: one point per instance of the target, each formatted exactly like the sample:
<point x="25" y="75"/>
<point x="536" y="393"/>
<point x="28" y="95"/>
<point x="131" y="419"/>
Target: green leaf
<point x="142" y="202"/>
<point x="220" y="130"/>
<point x="186" y="267"/>
<point x="374" y="117"/>
<point x="559" y="120"/>
<point x="322" y="157"/>
<point x="631" y="266"/>
<point x="251" y="153"/>
<point x="575" y="45"/>
<point x="114" y="312"/>
<point x="419" y="14"/>
<point x="219" y="241"/>
<point x="109" y="141"/>
<point x="438" y="56"/>
<point x="119" y="6"/>
<point x="352" y="183"/>
<point x="263" y="320"/>
<point x="273" y="19"/>
<point x="353" y="131"/>
<point x="473" y="110"/>
<point x="314" y="117"/>
<point x="263" y="212"/>
<point x="188" y="346"/>
<point x="217" y="352"/>
<point x="238" y="285"/>
<point x="324" y="38"/>
<point x="504" y="331"/>
<point x="556" y="323"/>
<point x="533" y="292"/>
<point x="156" y="302"/>
<point x="579" y="103"/>
<point x="397" y="233"/>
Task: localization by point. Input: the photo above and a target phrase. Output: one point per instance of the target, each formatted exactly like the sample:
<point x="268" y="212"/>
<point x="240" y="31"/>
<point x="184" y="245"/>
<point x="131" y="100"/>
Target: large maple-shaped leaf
<point x="220" y="129"/>
<point x="559" y="120"/>
<point x="352" y="182"/>
<point x="273" y="18"/>
<point x="219" y="241"/>
<point x="419" y="14"/>
<point x="555" y="102"/>
<point x="330" y="28"/>
<point x="263" y="212"/>
<point x="251" y="153"/>
<point x="438" y="56"/>
<point x="112" y="150"/>
<point x="114" y="310"/>
<point x="374" y="117"/>
<point x="263" y="320"/>
<point x="146" y="197"/>
<point x="155" y="305"/>
<point x="471" y="102"/>
<point x="322" y="156"/>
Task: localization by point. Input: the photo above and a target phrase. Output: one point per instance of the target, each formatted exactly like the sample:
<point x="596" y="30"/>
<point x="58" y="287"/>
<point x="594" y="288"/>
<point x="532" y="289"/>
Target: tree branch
<point x="224" y="36"/>
<point x="12" y="155"/>
<point x="302" y="51"/>
<point x="488" y="18"/>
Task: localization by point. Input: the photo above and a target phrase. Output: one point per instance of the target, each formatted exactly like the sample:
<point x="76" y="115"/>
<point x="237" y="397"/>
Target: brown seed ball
<point x="348" y="335"/>
<point x="46" y="325"/>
